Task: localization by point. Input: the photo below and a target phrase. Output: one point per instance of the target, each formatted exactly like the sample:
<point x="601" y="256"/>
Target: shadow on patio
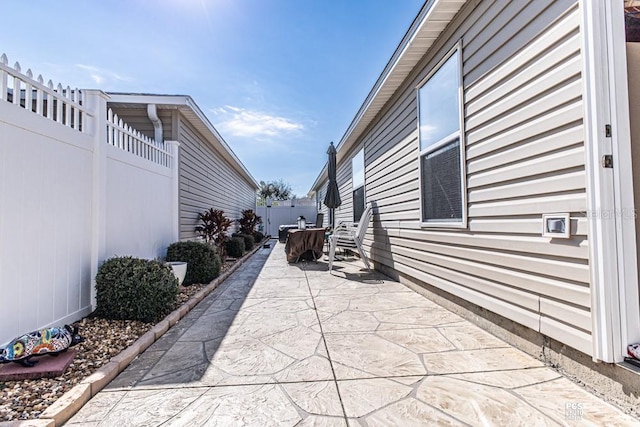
<point x="291" y="344"/>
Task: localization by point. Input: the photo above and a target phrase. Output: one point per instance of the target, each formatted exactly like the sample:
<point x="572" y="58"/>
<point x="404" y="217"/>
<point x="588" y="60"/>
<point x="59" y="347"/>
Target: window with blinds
<point x="442" y="189"/>
<point x="357" y="182"/>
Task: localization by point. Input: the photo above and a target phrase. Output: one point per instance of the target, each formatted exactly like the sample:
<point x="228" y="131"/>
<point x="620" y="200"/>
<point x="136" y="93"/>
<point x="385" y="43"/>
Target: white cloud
<point x="100" y="75"/>
<point x="250" y="123"/>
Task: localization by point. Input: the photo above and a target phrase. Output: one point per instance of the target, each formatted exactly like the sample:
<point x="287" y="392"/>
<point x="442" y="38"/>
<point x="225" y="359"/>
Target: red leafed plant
<point x="213" y="226"/>
<point x="249" y="221"/>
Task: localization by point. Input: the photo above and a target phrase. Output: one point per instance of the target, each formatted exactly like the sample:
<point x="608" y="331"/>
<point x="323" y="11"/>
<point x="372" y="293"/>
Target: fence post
<point x="96" y="102"/>
<point x="173" y="148"/>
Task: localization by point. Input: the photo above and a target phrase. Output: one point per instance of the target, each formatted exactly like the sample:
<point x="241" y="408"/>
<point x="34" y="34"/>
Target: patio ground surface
<point x="292" y="345"/>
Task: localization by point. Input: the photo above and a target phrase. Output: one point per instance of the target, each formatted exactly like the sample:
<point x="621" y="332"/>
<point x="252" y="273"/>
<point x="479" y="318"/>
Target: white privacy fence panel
<point x="45" y="222"/>
<point x="123" y="136"/>
<point x="61" y="105"/>
<point x="139" y="217"/>
<point x="69" y="199"/>
<point x="282" y="213"/>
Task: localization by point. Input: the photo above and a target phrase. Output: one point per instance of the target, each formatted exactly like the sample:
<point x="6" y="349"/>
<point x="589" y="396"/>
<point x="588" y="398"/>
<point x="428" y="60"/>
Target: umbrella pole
<point x="333" y="230"/>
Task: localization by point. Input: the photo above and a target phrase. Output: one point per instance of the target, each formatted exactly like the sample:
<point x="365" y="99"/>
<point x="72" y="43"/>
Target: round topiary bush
<point x="249" y="241"/>
<point x="258" y="236"/>
<point x="235" y="247"/>
<point x="203" y="263"/>
<point x="130" y="288"/>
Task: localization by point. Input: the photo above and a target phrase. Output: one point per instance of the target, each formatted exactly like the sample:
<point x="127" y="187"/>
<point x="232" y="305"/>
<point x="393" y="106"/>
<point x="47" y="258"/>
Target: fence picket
<point x="120" y="134"/>
<point x="62" y="106"/>
<point x="67" y="110"/>
<point x="77" y="99"/>
<point x="59" y="103"/>
<point x="16" y="85"/>
<point x="28" y="94"/>
<point x="3" y="77"/>
<point x="50" y="100"/>
<point x="39" y="97"/>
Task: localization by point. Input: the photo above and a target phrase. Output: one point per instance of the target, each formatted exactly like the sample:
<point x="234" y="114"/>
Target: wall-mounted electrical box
<point x="557" y="226"/>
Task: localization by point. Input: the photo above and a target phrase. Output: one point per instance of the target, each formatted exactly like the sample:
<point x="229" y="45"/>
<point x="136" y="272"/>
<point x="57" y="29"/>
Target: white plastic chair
<point x="350" y="237"/>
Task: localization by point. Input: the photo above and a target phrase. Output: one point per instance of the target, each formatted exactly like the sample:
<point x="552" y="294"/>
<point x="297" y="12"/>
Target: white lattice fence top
<point x="123" y="136"/>
<point x="60" y="105"/>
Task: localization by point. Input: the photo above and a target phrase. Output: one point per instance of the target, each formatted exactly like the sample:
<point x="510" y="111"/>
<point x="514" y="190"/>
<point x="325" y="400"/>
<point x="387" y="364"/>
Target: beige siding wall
<point x="207" y="181"/>
<point x="525" y="157"/>
<point x="345" y="184"/>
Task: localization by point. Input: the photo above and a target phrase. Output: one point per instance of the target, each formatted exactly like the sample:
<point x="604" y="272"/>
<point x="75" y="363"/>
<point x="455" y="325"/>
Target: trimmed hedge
<point x="235" y="247"/>
<point x="249" y="241"/>
<point x="203" y="262"/>
<point x="130" y="288"/>
<point x="258" y="236"/>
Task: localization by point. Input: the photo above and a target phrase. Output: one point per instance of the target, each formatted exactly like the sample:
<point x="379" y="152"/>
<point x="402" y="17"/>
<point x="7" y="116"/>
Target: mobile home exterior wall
<point x="525" y="156"/>
<point x="210" y="176"/>
<point x="208" y="180"/>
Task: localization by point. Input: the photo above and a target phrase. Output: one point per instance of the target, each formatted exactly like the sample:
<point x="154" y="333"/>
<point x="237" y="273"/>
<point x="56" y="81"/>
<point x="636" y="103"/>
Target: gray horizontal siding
<point x="207" y="181"/>
<point x="525" y="157"/>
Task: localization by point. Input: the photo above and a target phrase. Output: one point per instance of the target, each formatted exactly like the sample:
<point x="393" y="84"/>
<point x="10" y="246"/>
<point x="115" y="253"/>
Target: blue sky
<point x="279" y="79"/>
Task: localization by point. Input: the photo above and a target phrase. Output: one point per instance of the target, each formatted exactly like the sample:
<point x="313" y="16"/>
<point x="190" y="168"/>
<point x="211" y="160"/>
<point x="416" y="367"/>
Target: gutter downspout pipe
<point x="152" y="112"/>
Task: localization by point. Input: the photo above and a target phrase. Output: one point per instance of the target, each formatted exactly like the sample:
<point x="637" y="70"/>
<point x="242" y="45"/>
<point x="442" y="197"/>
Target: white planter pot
<point x="179" y="269"/>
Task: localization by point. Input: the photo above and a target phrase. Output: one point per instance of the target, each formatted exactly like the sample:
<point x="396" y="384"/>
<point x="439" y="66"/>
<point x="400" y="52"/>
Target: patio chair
<point x="350" y="237"/>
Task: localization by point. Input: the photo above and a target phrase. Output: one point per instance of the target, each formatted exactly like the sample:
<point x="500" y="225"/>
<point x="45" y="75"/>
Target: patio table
<point x="306" y="244"/>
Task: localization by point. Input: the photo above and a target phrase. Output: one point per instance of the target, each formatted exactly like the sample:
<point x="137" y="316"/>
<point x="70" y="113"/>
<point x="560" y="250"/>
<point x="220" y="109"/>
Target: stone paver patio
<point x="292" y="345"/>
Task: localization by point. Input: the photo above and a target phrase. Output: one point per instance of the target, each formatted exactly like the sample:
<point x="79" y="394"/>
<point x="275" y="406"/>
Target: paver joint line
<point x="333" y="372"/>
<point x="388" y="356"/>
<point x="62" y="412"/>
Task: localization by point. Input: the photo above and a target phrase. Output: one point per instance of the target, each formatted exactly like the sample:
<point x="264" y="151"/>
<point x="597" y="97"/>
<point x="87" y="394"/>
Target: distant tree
<point x="276" y="190"/>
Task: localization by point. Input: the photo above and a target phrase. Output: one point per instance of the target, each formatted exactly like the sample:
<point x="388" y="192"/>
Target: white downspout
<point x="152" y="112"/>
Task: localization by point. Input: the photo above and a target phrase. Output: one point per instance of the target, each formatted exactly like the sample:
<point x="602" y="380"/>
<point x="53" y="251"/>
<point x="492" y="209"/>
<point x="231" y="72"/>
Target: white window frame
<point x="459" y="134"/>
<point x="359" y="154"/>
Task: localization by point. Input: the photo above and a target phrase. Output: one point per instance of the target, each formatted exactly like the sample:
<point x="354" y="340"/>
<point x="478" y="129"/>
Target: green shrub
<point x="249" y="241"/>
<point x="235" y="247"/>
<point x="258" y="236"/>
<point x="203" y="263"/>
<point x="130" y="288"/>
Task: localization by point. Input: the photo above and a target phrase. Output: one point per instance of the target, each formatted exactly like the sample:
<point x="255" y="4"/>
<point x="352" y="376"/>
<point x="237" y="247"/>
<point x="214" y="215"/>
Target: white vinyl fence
<point x="70" y="198"/>
<point x="282" y="212"/>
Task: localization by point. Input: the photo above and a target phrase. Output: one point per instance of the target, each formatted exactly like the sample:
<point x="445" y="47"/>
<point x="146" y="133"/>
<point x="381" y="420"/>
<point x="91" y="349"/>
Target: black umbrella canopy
<point x="332" y="198"/>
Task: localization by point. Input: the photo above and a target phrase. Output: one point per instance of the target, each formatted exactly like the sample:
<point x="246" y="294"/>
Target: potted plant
<point x="179" y="269"/>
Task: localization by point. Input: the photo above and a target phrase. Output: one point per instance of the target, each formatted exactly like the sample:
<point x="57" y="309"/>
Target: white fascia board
<point x="404" y="59"/>
<point x="141" y="98"/>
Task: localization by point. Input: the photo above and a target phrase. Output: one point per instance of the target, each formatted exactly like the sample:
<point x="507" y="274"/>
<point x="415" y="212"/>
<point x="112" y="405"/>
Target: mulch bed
<point x="27" y="399"/>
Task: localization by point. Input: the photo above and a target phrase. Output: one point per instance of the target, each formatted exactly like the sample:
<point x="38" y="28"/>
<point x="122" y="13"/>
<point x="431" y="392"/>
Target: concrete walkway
<point x="292" y="345"/>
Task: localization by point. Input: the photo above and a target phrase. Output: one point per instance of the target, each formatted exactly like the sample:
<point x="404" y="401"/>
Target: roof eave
<point x="196" y="117"/>
<point x="431" y="21"/>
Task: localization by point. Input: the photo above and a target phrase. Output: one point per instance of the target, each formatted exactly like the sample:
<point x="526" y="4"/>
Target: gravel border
<point x="70" y="403"/>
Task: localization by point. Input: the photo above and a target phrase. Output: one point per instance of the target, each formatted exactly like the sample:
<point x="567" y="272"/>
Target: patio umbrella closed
<point x="332" y="198"/>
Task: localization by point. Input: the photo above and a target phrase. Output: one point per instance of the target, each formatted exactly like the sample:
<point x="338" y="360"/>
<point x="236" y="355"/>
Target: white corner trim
<point x="623" y="177"/>
<point x="609" y="190"/>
